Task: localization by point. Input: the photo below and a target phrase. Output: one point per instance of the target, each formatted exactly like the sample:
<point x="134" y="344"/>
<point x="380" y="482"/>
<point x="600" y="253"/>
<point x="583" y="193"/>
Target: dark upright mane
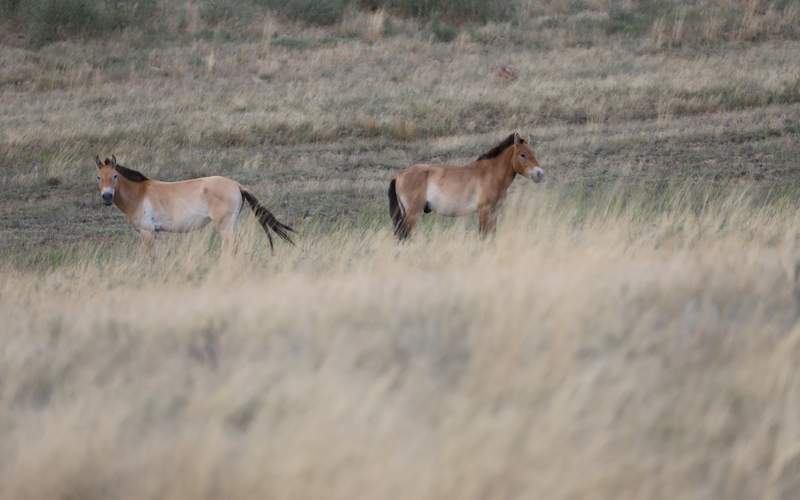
<point x="498" y="150"/>
<point x="130" y="174"/>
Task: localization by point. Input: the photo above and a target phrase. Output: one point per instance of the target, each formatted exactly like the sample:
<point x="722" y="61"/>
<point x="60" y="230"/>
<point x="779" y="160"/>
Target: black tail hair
<point x="266" y="219"/>
<point x="396" y="211"/>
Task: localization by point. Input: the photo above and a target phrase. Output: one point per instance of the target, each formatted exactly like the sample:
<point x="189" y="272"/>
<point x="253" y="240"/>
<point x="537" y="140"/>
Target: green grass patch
<point x="316" y="12"/>
<point x="456" y="11"/>
<point x="46" y="21"/>
<point x="443" y="31"/>
<point x="303" y="43"/>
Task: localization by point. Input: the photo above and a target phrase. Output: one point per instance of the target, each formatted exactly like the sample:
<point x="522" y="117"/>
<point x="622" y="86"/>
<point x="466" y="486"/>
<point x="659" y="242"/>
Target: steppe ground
<point x="631" y="331"/>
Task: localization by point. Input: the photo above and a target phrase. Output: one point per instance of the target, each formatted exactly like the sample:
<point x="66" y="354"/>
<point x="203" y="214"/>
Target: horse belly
<point x="450" y="204"/>
<point x="187" y="222"/>
<point x="157" y="221"/>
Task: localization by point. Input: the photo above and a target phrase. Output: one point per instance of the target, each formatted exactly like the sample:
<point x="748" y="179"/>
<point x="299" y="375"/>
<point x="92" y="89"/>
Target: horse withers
<point x="153" y="206"/>
<point x="455" y="190"/>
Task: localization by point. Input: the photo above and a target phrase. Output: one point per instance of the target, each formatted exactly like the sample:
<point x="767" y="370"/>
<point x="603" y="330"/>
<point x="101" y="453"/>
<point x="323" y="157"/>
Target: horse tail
<point x="397" y="212"/>
<point x="266" y="219"/>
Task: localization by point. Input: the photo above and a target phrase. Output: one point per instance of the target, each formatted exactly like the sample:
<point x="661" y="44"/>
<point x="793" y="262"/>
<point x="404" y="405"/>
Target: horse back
<point x="200" y="186"/>
<point x="213" y="194"/>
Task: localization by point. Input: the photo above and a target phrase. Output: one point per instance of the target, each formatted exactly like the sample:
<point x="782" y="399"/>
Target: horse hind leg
<point x="407" y="201"/>
<point x="227" y="229"/>
<point x="413" y="211"/>
<point x="225" y="220"/>
<point x="405" y="224"/>
<point x="397" y="211"/>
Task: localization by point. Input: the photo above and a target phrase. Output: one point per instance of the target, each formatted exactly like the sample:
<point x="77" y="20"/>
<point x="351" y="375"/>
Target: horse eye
<point x="115" y="176"/>
<point x="98" y="177"/>
<point x="522" y="156"/>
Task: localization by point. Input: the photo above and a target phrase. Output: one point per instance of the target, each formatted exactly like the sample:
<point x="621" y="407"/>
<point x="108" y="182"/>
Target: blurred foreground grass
<point x="618" y="342"/>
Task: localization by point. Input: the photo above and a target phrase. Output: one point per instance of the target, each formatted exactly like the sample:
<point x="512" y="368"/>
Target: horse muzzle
<point x="108" y="198"/>
<point x="536" y="175"/>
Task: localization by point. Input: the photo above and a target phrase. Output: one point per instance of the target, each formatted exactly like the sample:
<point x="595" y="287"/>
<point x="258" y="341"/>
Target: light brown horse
<point x="460" y="190"/>
<point x="153" y="206"/>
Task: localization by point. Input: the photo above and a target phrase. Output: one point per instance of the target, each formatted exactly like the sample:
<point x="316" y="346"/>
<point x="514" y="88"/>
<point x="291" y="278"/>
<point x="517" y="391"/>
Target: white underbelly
<point x="155" y="220"/>
<point x="443" y="203"/>
<point x="185" y="223"/>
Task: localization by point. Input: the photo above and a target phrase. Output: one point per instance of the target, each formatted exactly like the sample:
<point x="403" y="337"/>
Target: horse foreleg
<point x="148" y="237"/>
<point x="487" y="220"/>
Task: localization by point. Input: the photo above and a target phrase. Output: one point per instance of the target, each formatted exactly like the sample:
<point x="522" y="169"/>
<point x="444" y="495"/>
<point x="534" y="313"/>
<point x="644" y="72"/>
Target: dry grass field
<point x="630" y="332"/>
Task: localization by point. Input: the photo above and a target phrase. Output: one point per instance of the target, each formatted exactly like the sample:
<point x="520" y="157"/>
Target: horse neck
<point x="502" y="168"/>
<point x="128" y="194"/>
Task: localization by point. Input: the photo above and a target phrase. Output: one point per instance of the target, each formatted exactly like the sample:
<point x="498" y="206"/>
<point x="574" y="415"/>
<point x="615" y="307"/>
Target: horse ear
<point x="97" y="160"/>
<point x="113" y="161"/>
<point x="517" y="138"/>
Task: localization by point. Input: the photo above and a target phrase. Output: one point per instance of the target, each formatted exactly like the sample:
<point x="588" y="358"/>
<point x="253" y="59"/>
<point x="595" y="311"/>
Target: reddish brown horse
<point x="153" y="206"/>
<point x="460" y="190"/>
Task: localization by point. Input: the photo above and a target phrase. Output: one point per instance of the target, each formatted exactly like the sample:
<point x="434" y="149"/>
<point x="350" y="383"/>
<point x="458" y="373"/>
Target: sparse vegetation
<point x="663" y="23"/>
<point x="628" y="333"/>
